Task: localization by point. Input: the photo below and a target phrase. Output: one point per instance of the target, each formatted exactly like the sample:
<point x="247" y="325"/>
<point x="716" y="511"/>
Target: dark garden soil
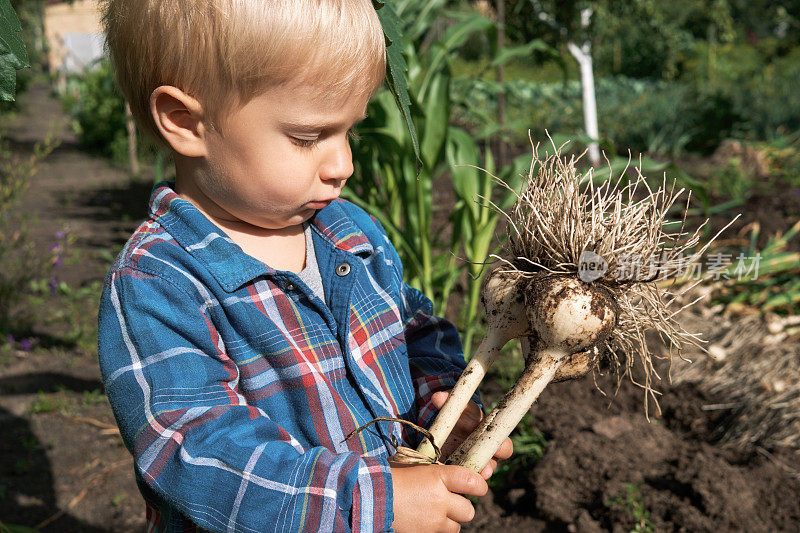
<point x="63" y="467"/>
<point x="597" y="452"/>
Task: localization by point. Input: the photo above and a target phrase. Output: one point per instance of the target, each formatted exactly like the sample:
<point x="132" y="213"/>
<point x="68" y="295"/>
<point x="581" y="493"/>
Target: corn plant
<point x="395" y="186"/>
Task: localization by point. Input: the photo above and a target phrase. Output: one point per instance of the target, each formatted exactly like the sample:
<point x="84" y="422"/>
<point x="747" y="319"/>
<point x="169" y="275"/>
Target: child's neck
<point x="283" y="249"/>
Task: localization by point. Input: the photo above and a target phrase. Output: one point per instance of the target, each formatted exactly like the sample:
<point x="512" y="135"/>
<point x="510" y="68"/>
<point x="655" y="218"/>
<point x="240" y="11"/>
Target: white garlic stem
<point x="466" y="386"/>
<point x="568" y="316"/>
<point x="483" y="443"/>
<point x="504" y="302"/>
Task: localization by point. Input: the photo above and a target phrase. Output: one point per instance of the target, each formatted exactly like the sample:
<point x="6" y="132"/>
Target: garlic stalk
<point x="504" y="302"/>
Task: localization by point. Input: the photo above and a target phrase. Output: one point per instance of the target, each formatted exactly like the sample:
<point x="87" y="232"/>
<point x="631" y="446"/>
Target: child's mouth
<point x="319" y="204"/>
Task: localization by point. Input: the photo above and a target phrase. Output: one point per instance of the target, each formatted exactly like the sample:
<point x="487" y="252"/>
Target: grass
<point x="767" y="279"/>
<point x="631" y="503"/>
<point x="48" y="403"/>
<point x="93" y="397"/>
<point x="66" y="402"/>
<point x="63" y="308"/>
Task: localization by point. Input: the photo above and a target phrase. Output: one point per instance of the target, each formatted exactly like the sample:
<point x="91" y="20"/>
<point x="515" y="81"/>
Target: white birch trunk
<point x="583" y="55"/>
<point x="589" y="99"/>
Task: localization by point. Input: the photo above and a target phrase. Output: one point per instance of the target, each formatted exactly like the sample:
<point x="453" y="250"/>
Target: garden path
<point x="62" y="464"/>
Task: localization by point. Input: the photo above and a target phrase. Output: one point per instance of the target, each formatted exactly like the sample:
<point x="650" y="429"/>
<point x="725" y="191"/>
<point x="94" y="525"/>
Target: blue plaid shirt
<point x="234" y="386"/>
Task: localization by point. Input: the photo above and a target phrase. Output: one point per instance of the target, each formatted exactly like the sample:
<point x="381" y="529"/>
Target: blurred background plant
<point x="19" y="262"/>
<point x="766" y="278"/>
<point x="97" y="111"/>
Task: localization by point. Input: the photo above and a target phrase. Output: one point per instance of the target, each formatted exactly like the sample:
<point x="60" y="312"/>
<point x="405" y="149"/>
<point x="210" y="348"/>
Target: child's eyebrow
<point x="317" y="126"/>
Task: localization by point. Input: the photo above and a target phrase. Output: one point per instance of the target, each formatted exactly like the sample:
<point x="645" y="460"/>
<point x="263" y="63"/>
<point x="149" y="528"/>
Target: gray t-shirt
<point x="310" y="274"/>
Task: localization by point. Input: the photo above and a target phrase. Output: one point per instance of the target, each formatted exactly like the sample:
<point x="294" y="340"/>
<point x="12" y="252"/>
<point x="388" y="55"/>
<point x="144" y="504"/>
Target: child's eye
<point x="304" y="143"/>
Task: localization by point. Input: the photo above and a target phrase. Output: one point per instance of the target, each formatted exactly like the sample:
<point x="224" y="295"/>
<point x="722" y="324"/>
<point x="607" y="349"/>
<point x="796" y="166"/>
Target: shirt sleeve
<point x="196" y="442"/>
<point x="434" y="351"/>
<point x="435" y="354"/>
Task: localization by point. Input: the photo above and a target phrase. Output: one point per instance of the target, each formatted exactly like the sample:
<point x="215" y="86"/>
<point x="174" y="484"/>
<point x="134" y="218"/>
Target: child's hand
<point x="470" y="418"/>
<point x="428" y="498"/>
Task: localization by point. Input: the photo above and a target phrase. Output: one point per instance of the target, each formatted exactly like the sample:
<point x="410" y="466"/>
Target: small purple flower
<point x="26" y="345"/>
<point x="57" y="262"/>
<point x="60" y="235"/>
<point x="53" y="284"/>
<point x="10" y="339"/>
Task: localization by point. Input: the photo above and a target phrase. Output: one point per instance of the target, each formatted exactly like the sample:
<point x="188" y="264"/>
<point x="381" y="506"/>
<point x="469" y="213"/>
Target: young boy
<point x="254" y="320"/>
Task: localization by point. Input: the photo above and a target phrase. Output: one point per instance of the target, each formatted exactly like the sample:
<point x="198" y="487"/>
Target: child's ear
<point x="180" y="119"/>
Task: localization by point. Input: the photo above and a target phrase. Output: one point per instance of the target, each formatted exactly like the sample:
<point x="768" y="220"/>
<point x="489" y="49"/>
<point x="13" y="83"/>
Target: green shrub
<point x="97" y="110"/>
<point x="641" y="115"/>
<point x="769" y="102"/>
<point x="751" y="92"/>
<point x="714" y="117"/>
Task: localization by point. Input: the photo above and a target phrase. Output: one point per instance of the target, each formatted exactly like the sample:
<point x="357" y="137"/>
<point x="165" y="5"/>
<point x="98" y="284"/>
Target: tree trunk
<point x="583" y="55"/>
<point x="501" y="78"/>
<point x="133" y="159"/>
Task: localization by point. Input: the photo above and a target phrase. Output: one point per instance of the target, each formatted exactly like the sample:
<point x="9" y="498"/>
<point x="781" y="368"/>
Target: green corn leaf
<point x="508" y="54"/>
<point x="460" y="152"/>
<point x="437" y="116"/>
<point x="397" y="67"/>
<point x="422" y="21"/>
<point x="12" y="50"/>
<point x="454" y="37"/>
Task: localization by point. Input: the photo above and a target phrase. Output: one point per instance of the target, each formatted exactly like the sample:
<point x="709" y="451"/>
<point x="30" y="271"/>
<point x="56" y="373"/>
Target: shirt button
<point x="290" y="286"/>
<point x="342" y="270"/>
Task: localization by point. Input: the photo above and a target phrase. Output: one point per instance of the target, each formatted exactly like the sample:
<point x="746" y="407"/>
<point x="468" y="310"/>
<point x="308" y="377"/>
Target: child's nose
<point x="338" y="162"/>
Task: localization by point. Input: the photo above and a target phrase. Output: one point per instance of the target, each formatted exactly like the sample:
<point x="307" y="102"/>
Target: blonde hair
<point x="224" y="52"/>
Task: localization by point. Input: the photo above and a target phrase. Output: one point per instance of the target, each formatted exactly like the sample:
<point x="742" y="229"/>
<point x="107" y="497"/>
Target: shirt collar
<point x="226" y="261"/>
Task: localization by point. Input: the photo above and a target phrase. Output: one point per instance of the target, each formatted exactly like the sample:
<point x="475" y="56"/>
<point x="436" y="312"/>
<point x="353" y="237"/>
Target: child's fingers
<point x="505" y="450"/>
<point x="462" y="480"/>
<point x="439" y="398"/>
<point x="461" y="509"/>
<point x="489" y="469"/>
